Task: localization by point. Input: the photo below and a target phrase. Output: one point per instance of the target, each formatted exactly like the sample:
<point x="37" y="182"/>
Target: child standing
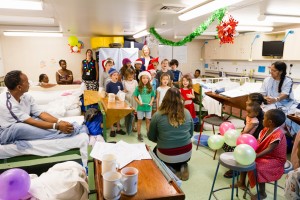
<point x="188" y="95"/>
<point x="163" y="88"/>
<point x="113" y="87"/>
<point x="105" y="78"/>
<point x="138" y="68"/>
<point x="154" y="84"/>
<point x="144" y="96"/>
<point x="164" y="69"/>
<point x="177" y="74"/>
<point x="129" y="86"/>
<point x="270" y="154"/>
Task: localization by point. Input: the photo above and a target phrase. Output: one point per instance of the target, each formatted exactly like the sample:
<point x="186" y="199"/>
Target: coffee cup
<point x="111" y="97"/>
<point x="130" y="180"/>
<point x="112" y="186"/>
<point x="109" y="163"/>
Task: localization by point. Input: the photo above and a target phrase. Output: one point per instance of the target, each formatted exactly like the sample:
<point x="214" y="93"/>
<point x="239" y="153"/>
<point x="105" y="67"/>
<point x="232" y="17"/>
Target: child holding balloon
<point x="270" y="154"/>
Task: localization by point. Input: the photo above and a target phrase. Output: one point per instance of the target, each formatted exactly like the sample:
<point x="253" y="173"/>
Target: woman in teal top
<point x="172" y="128"/>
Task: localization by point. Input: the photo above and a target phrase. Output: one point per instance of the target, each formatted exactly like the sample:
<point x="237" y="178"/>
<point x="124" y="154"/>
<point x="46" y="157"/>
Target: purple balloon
<point x="14" y="184"/>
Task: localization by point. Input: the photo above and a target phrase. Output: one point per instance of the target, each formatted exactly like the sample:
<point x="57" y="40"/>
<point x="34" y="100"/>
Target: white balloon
<point x="75" y="48"/>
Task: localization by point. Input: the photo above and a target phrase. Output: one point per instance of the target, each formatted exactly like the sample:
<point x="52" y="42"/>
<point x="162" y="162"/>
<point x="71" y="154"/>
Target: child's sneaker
<point x="140" y="138"/>
<point x="121" y="132"/>
<point x="112" y="134"/>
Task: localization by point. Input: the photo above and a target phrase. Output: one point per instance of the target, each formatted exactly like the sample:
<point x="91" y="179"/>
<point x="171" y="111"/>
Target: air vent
<point x="169" y="8"/>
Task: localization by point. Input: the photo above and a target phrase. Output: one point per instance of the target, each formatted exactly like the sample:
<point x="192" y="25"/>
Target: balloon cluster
<point x="75" y="44"/>
<point x="246" y="144"/>
<point x="14" y="184"/>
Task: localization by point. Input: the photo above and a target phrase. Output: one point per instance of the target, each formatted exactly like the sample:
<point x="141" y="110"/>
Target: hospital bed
<point x="227" y="102"/>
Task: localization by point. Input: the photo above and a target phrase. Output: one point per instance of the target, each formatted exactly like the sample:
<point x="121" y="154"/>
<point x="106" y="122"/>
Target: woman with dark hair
<point x="172" y="127"/>
<point x="90" y="71"/>
<point x="277" y="89"/>
<point x="64" y="76"/>
<point x="277" y="92"/>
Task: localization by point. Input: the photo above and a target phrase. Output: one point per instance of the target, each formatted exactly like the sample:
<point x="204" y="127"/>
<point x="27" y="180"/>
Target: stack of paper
<point x="125" y="153"/>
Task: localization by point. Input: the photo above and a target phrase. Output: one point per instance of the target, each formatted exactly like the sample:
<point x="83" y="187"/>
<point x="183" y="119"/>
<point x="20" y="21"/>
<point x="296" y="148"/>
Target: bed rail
<point x="215" y="80"/>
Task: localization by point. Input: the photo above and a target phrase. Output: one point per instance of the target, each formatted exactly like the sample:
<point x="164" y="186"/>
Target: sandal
<point x="134" y="129"/>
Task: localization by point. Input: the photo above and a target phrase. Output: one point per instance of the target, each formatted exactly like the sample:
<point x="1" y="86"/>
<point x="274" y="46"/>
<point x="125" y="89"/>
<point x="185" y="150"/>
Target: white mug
<point x="111" y="97"/>
<point x="130" y="180"/>
<point x="109" y="163"/>
<point x="112" y="186"/>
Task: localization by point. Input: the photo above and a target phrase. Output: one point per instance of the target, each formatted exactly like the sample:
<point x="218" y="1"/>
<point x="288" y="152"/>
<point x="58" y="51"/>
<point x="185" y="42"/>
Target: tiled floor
<point x="202" y="168"/>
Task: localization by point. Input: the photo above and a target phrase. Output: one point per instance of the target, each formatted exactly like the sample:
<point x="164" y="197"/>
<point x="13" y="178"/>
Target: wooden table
<point x="236" y="102"/>
<point x="114" y="110"/>
<point x="294" y="118"/>
<point x="151" y="183"/>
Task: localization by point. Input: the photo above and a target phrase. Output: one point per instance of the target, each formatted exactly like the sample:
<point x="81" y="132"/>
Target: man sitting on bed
<point x="21" y="119"/>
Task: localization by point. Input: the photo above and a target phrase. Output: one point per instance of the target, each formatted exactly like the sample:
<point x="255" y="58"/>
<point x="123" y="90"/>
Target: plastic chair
<point x="227" y="160"/>
<point x="214" y="120"/>
<point x="288" y="166"/>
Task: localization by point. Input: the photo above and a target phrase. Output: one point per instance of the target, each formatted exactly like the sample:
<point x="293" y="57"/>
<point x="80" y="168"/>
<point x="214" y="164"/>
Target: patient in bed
<point x="44" y="81"/>
<point x="21" y="118"/>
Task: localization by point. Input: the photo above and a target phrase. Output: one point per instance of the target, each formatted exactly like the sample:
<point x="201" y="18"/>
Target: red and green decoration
<point x="218" y="14"/>
<point x="226" y="30"/>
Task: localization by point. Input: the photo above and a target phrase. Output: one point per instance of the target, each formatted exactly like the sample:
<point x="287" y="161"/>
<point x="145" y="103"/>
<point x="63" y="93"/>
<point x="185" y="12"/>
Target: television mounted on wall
<point x="272" y="48"/>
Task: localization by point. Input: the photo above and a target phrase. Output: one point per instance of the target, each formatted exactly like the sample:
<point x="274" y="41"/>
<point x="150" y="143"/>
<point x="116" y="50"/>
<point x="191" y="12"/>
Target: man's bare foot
<point x="239" y="185"/>
<point x="261" y="195"/>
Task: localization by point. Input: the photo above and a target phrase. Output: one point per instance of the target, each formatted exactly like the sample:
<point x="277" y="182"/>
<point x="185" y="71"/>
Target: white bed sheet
<point x="51" y="147"/>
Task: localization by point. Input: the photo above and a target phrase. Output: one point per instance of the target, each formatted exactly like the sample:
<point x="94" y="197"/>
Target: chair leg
<point x="256" y="183"/>
<point x="275" y="190"/>
<point x="215" y="154"/>
<point x="212" y="187"/>
<point x="201" y="130"/>
<point x="232" y="186"/>
<point x="245" y="192"/>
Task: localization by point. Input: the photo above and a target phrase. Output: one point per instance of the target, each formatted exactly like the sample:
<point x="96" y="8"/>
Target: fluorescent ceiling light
<point x="278" y="18"/>
<point x="21" y="20"/>
<point x="141" y="34"/>
<point x="32" y="34"/>
<point x="255" y="28"/>
<point x="19" y="4"/>
<point x="192" y="4"/>
<point x="207" y="8"/>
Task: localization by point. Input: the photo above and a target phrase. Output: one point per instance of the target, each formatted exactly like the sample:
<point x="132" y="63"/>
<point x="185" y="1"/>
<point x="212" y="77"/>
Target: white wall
<point x="37" y="55"/>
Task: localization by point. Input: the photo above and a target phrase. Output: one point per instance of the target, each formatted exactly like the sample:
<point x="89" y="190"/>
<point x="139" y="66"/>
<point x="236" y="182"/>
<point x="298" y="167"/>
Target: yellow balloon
<point x="73" y="40"/>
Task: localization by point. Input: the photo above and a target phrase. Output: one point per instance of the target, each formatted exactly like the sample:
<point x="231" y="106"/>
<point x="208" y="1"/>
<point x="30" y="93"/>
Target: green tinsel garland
<point x="218" y="14"/>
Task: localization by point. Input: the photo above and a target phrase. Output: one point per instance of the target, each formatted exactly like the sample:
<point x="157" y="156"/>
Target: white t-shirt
<point x="162" y="92"/>
<point x="22" y="110"/>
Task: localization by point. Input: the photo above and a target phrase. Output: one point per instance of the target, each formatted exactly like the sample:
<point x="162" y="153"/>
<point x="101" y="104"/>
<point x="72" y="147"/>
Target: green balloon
<point x="215" y="142"/>
<point x="231" y="136"/>
<point x="73" y="40"/>
<point x="244" y="154"/>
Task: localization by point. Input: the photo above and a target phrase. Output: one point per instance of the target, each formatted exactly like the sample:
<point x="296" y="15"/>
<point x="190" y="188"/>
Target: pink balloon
<point x="225" y="126"/>
<point x="247" y="139"/>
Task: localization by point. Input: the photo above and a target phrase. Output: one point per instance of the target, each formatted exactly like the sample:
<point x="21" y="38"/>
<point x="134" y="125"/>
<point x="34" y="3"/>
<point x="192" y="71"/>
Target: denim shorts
<point x="142" y="114"/>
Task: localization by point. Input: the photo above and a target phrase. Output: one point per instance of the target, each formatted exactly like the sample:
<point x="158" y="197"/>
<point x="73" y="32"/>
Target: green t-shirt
<point x="145" y="98"/>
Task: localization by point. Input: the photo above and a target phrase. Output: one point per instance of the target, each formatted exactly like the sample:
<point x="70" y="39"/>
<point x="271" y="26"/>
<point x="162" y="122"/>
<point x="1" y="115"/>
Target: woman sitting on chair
<point x="277" y="92"/>
<point x="172" y="127"/>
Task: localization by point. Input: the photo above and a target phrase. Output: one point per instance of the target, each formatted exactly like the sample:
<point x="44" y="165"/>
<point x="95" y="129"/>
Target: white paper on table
<point x="101" y="148"/>
<point x="141" y="147"/>
<point x="124" y="152"/>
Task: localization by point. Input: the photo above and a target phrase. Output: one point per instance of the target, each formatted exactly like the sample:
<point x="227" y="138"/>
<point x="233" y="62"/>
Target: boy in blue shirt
<point x="114" y="86"/>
